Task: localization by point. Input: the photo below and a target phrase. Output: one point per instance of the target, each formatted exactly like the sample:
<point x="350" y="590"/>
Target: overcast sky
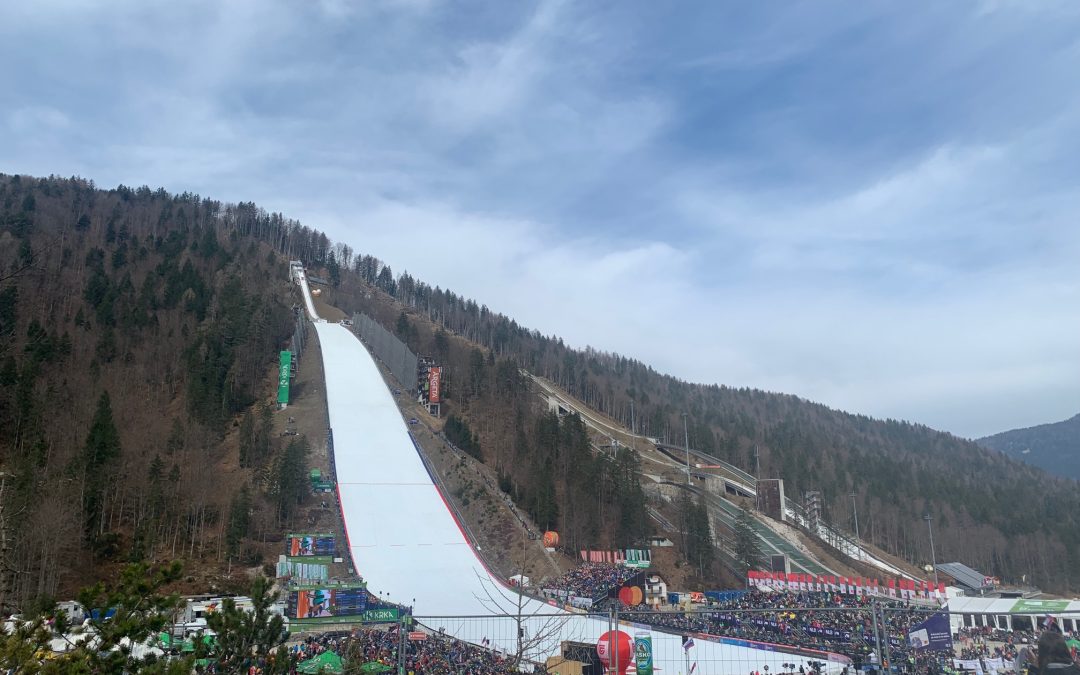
<point x="871" y="205"/>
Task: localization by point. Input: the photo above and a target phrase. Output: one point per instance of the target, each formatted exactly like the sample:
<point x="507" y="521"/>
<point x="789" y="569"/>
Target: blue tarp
<point x="724" y="596"/>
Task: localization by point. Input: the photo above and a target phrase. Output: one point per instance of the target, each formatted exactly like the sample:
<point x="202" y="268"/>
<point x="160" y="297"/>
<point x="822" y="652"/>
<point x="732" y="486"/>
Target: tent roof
<point x="327" y="662"/>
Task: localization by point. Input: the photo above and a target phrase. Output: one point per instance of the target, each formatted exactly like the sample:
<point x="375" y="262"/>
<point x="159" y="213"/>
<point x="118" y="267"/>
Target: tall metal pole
<point x="6" y="575"/>
<point x="885" y="630"/>
<point x="933" y="555"/>
<point x="686" y="442"/>
<point x="877" y="635"/>
<point x="855" y="511"/>
<point x="616" y="650"/>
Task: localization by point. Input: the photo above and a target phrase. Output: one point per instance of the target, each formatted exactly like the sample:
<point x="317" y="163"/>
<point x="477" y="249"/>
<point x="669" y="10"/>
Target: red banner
<point x="434" y="379"/>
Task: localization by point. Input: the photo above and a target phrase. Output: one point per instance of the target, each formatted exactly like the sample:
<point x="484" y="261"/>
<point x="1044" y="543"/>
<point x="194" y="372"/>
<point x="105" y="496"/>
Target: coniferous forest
<point x="138" y="332"/>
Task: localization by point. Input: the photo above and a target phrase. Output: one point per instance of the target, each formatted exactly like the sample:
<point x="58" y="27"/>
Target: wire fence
<point x="299" y="336"/>
<point x="522" y="635"/>
<point x="388" y="349"/>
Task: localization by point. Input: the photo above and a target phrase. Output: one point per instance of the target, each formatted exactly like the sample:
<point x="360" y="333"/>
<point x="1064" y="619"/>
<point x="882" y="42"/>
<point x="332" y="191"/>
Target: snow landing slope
<point x="407" y="546"/>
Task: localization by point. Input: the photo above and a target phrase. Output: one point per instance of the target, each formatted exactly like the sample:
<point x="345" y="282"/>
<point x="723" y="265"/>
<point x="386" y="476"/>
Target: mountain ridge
<point x="189" y="271"/>
<point x="1053" y="447"/>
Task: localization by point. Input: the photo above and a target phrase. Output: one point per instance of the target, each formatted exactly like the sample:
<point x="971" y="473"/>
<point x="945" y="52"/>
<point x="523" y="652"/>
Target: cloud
<point x="37" y="119"/>
<point x="866" y="206"/>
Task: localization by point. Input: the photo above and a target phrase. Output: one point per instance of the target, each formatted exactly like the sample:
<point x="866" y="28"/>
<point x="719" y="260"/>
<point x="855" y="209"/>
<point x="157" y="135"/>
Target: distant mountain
<point x="1053" y="447"/>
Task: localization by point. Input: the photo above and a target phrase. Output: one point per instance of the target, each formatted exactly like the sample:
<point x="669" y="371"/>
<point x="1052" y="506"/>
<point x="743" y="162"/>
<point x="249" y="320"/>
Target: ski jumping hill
<point x="409" y="548"/>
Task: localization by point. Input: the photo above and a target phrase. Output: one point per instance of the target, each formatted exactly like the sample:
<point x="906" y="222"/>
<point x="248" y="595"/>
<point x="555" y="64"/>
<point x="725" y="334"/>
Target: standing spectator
<point x="1054" y="656"/>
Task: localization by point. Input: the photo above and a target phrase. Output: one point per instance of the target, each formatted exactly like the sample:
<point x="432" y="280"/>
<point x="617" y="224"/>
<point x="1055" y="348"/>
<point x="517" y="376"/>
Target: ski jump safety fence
<point x="387" y="348"/>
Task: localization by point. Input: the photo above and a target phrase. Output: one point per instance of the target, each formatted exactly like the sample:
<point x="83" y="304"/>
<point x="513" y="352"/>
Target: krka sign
<point x="283" y="378"/>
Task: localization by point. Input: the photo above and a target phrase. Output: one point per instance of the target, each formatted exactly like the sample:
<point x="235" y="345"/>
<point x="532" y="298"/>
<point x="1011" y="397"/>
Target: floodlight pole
<point x="933" y="556"/>
<point x="686" y="443"/>
<point x="855" y="511"/>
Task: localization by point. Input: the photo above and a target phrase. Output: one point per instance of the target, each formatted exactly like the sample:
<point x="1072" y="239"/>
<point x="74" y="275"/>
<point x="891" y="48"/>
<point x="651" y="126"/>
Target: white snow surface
<point x="407" y="546"/>
<point x="305" y="289"/>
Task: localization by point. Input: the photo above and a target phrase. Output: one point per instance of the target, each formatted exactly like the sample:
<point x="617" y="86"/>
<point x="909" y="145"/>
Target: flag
<point x="485" y="642"/>
<point x="688" y="642"/>
<point x="693" y="667"/>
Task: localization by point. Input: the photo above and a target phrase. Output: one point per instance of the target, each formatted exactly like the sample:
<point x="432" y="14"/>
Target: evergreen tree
<point x="543" y="504"/>
<point x="239" y="521"/>
<point x="748" y="555"/>
<point x="457" y="431"/>
<point x="697" y="538"/>
<point x="290" y="479"/>
<point x="177" y="438"/>
<point x="102" y="449"/>
<point x="243" y="636"/>
<point x="247" y="439"/>
<point x="630" y="500"/>
<point x="132" y="610"/>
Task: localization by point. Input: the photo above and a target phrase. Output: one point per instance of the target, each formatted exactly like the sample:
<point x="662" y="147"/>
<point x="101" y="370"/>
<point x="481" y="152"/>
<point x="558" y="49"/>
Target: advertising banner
<point x="283" y="378"/>
<point x="327" y="603"/>
<point x="968" y="665"/>
<point x="310" y="559"/>
<point x="1040" y="606"/>
<point x="435" y="385"/>
<point x="314" y="604"/>
<point x="643" y="656"/>
<point x="311" y="545"/>
<point x="384" y="615"/>
<point x="934" y="633"/>
<point x="303" y="570"/>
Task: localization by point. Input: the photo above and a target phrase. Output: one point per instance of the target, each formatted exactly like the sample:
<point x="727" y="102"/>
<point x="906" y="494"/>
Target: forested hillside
<point x="1052" y="447"/>
<point x="1001" y="516"/>
<point x="135" y="327"/>
<point x="174" y="306"/>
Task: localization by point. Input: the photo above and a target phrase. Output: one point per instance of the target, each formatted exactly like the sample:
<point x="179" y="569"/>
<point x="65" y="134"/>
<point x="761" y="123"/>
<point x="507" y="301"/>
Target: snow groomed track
<point x="408" y="547"/>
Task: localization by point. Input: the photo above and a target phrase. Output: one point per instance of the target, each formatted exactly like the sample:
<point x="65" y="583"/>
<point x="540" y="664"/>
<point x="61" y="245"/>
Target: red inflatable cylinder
<point x="611" y="643"/>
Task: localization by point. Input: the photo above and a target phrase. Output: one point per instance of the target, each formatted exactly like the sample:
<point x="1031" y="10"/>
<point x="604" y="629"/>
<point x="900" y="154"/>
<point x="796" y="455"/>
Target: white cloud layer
<point x="871" y="208"/>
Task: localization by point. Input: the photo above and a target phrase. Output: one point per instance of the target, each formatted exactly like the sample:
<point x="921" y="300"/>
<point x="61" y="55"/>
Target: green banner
<point x="1040" y="606"/>
<point x="283" y="378"/>
<point x="384" y="615"/>
<point x="310" y="559"/>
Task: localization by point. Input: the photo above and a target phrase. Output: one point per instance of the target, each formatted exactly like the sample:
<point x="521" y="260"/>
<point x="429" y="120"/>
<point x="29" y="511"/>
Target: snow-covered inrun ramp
<point x="408" y="547"/>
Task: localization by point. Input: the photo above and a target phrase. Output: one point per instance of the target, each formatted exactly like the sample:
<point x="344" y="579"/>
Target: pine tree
<point x="697" y="539"/>
<point x="244" y="635"/>
<point x="630" y="499"/>
<point x="748" y="555"/>
<point x="290" y="481"/>
<point x="239" y="521"/>
<point x="247" y="439"/>
<point x="102" y="449"/>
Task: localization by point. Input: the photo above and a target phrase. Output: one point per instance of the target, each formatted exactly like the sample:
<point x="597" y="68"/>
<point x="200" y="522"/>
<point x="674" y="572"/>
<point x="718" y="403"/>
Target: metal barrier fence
<point x="522" y="636"/>
<point x="549" y="642"/>
<point x="299" y="337"/>
<point x="388" y="349"/>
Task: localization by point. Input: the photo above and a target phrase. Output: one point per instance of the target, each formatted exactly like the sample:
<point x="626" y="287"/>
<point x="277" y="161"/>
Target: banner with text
<point x="933" y="633"/>
<point x="284" y="367"/>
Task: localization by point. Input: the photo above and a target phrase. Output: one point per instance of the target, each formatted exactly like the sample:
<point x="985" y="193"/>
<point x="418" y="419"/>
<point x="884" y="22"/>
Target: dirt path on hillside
<point x="306" y="416"/>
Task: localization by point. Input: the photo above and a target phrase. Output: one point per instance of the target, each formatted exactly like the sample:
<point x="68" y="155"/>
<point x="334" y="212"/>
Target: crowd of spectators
<point x="592" y="579"/>
<point x="829" y="622"/>
<point x="437" y="655"/>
